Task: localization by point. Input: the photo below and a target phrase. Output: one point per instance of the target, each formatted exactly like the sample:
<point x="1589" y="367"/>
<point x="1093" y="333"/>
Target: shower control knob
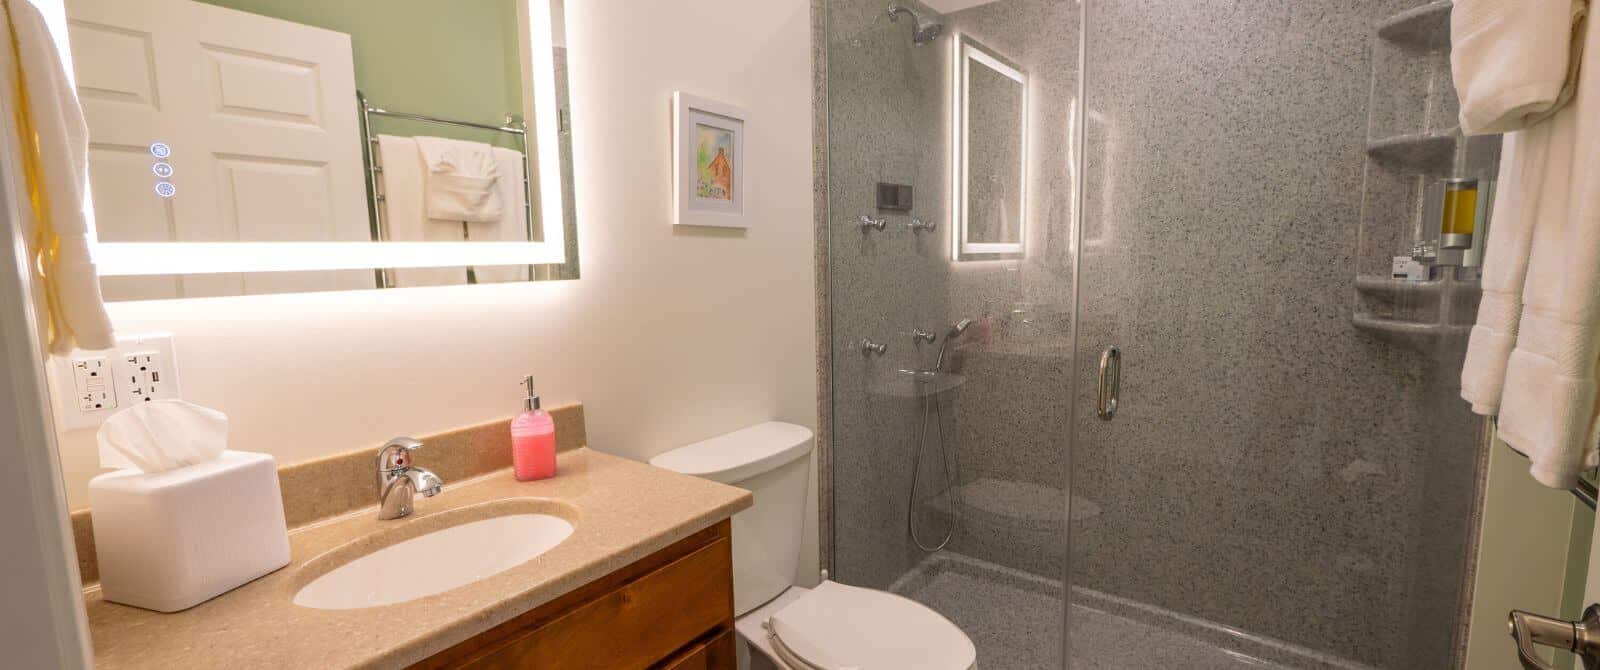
<point x="918" y="225"/>
<point x="867" y="222"/>
<point x="870" y="347"/>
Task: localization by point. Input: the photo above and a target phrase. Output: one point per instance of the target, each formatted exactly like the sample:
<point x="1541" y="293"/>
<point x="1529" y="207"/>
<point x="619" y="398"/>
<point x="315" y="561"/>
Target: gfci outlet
<point x="92" y="385"/>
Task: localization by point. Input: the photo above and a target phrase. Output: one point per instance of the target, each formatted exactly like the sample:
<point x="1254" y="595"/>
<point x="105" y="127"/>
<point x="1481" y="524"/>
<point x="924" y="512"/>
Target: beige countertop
<point x="622" y="511"/>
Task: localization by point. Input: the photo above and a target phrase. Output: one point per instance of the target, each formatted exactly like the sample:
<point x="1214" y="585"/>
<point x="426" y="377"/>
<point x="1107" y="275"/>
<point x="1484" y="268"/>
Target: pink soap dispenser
<point x="533" y="439"/>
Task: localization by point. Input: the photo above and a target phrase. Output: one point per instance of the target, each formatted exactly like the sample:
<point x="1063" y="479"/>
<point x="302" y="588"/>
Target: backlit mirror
<point x="268" y="146"/>
<point x="991" y="125"/>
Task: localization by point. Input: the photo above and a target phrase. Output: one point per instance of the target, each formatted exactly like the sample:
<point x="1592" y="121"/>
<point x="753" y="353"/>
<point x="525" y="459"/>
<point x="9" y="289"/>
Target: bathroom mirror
<point x="990" y="153"/>
<point x="269" y="146"/>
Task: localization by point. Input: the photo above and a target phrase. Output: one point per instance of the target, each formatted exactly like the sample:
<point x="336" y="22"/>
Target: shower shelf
<point x="1431" y="153"/>
<point x="916" y="383"/>
<point x="1408" y="332"/>
<point x="1426" y="27"/>
<point x="1390" y="288"/>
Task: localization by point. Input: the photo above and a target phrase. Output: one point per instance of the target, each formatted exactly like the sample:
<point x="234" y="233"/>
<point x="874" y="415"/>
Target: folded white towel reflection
<point x="161" y="435"/>
<point x="1514" y="61"/>
<point x="403" y="212"/>
<point x="513" y="223"/>
<point x="460" y="180"/>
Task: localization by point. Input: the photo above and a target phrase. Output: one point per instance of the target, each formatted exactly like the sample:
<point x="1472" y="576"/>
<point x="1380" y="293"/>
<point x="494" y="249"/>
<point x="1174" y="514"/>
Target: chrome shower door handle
<point x="1110" y="383"/>
<point x="1581" y="637"/>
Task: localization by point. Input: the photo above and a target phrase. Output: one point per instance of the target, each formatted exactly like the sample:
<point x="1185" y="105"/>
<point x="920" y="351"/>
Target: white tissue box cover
<point x="168" y="541"/>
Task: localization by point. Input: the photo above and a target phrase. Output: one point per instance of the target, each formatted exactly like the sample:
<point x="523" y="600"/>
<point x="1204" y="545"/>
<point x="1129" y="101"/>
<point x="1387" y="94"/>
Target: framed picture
<point x="709" y="163"/>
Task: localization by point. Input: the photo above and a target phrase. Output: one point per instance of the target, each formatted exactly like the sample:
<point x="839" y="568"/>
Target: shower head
<point x="928" y="26"/>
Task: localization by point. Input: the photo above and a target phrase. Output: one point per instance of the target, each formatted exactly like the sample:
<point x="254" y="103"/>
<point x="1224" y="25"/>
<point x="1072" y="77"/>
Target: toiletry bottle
<point x="533" y="439"/>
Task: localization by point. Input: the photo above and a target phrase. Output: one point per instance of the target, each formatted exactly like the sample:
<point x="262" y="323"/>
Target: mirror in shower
<point x="270" y="146"/>
<point x="991" y="111"/>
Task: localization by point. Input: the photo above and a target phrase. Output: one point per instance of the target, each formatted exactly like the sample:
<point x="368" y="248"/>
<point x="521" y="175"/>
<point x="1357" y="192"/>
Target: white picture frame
<point x="714" y="196"/>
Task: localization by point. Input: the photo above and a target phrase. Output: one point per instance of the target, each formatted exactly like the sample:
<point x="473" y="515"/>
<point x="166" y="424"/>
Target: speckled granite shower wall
<point x="1273" y="469"/>
<point x="883" y="125"/>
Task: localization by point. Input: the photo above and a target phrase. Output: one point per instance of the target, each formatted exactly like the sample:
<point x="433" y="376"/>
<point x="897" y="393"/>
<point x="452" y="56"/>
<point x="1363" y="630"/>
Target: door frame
<point x="44" y="624"/>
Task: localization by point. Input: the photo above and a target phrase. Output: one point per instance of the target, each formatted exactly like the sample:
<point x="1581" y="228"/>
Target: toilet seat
<point x="839" y="627"/>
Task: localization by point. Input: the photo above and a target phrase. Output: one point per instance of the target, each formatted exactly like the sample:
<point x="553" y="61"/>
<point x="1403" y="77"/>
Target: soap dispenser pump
<point x="533" y="439"/>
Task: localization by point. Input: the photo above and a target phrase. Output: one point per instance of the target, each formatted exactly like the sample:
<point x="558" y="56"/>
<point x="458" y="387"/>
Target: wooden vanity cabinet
<point x="671" y="609"/>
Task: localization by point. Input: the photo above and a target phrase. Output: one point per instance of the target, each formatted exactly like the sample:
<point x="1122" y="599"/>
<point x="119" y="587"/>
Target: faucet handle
<point x="396" y="455"/>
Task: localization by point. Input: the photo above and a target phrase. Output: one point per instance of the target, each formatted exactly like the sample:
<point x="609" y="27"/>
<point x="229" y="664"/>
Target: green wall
<point x="456" y="59"/>
<point x="1533" y="554"/>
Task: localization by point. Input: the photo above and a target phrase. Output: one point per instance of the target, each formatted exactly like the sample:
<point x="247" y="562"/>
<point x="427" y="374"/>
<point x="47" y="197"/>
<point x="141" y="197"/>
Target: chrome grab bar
<point x="1110" y="383"/>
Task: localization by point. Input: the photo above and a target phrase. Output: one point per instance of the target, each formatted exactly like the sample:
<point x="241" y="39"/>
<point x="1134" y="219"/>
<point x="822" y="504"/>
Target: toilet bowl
<point x="832" y="626"/>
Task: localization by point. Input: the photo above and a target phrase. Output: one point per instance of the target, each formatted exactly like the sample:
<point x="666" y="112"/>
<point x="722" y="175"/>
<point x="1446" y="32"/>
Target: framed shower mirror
<point x="990" y="145"/>
<point x="271" y="146"/>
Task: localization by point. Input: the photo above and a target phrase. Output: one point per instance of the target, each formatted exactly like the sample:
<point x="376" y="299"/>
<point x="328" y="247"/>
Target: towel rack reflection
<point x="374" y="163"/>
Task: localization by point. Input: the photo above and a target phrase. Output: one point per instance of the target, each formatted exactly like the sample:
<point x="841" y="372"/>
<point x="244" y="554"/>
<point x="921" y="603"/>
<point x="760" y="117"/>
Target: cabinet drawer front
<point x="638" y="624"/>
<point x="717" y="653"/>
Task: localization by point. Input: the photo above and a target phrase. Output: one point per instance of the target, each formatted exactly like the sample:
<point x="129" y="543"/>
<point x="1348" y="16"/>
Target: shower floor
<point x="1014" y="618"/>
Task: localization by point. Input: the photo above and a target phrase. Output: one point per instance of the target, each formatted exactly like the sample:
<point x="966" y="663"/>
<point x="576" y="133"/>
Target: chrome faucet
<point x="399" y="482"/>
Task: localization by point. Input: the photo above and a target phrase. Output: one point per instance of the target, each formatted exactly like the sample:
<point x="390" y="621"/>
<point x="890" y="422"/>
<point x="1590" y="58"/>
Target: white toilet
<point x="830" y="627"/>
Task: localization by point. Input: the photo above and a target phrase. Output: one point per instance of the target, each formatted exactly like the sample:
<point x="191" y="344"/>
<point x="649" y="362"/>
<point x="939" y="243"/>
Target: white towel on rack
<point x="460" y="180"/>
<point x="404" y="217"/>
<point x="1521" y="192"/>
<point x="1514" y="61"/>
<point x="512" y="225"/>
<point x="1552" y="385"/>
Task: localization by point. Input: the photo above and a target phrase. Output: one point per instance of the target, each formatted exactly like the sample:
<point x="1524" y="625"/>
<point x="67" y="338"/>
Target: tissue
<point x="162" y="435"/>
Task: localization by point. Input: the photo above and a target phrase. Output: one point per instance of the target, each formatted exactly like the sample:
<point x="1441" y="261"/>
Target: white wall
<point x="672" y="335"/>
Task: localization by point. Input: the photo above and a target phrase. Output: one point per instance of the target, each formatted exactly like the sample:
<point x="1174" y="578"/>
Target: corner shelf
<point x="1427" y="153"/>
<point x="1422" y="28"/>
<point x="1390" y="288"/>
<point x="1418" y="335"/>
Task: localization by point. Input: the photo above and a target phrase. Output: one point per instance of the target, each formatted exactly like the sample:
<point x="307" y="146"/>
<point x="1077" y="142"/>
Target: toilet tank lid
<point x="739" y="455"/>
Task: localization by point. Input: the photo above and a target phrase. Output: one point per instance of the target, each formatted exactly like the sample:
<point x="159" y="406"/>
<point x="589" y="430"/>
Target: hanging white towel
<point x="1514" y="61"/>
<point x="1523" y="195"/>
<point x="55" y="157"/>
<point x="460" y="181"/>
<point x="513" y="223"/>
<point x="403" y="212"/>
<point x="1549" y="408"/>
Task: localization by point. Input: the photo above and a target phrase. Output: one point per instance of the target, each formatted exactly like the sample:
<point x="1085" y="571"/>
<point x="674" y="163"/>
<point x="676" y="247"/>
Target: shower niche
<point x="1414" y="147"/>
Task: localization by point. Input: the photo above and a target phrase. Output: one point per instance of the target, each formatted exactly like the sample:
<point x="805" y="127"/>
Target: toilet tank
<point x="768" y="460"/>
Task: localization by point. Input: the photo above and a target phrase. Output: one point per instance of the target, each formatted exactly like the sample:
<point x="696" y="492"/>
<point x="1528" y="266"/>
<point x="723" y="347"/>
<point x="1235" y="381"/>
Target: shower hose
<point x="930" y="405"/>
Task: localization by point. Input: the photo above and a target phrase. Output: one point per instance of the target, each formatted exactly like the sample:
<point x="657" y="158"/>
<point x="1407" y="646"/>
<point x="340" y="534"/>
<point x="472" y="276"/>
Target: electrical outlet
<point x="92" y="385"/>
<point x="141" y="370"/>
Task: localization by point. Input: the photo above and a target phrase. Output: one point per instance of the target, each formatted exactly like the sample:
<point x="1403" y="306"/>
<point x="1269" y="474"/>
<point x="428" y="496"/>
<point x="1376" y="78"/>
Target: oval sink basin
<point x="444" y="559"/>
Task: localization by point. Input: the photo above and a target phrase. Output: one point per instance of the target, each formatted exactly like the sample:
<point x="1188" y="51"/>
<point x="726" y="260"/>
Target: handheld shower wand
<point x="955" y="332"/>
<point x="930" y="407"/>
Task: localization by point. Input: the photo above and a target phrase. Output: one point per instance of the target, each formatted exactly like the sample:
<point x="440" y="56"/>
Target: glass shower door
<point x="950" y="195"/>
<point x="1282" y="481"/>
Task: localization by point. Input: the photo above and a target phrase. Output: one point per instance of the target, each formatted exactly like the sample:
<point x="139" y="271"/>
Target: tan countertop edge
<point x="623" y="510"/>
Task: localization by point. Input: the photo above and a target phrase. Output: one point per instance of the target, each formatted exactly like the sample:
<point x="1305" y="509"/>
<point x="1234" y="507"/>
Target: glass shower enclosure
<point x="1120" y="374"/>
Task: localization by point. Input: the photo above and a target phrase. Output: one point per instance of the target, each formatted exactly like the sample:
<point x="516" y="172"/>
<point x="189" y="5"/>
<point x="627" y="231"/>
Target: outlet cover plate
<point x="143" y="365"/>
